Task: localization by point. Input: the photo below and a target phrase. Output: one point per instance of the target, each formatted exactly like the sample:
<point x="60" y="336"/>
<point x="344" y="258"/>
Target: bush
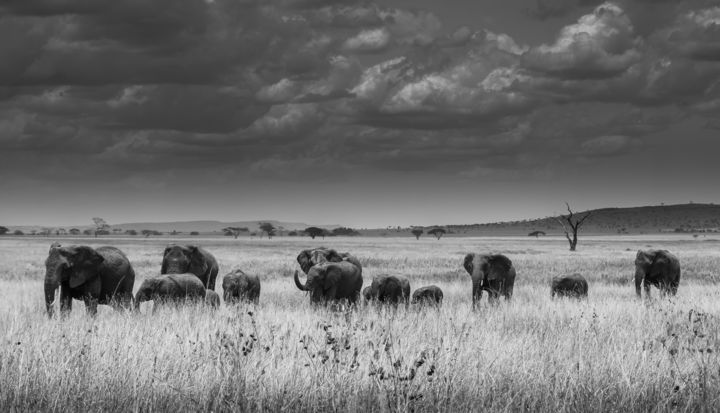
<point x="194" y="233"/>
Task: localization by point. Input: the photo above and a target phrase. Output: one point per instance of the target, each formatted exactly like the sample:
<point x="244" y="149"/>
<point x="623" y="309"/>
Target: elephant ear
<point x="498" y="267"/>
<point x="468" y="263"/>
<point x="659" y="266"/>
<point x="643" y="258"/>
<point x="198" y="262"/>
<point x="304" y="260"/>
<point x="85" y="263"/>
<point x="163" y="267"/>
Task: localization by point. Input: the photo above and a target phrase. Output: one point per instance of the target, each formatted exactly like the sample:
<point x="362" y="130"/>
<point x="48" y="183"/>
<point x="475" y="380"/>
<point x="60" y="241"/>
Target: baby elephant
<point x="238" y="286"/>
<point x="572" y="286"/>
<point x="389" y="289"/>
<point x="170" y="289"/>
<point x="431" y="294"/>
<point x="212" y="299"/>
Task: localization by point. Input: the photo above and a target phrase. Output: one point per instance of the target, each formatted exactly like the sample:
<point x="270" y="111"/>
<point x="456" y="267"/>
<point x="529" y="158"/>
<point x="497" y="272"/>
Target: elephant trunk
<point x="173" y="267"/>
<point x="140" y="297"/>
<point x="50" y="287"/>
<point x="299" y="284"/>
<point x="639" y="277"/>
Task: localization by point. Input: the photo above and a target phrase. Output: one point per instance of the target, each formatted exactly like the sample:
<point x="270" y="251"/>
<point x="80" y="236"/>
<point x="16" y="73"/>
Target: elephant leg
<point x="646" y="286"/>
<point x="91" y="304"/>
<point x="65" y="301"/>
<point x="477" y="294"/>
<point x="673" y="288"/>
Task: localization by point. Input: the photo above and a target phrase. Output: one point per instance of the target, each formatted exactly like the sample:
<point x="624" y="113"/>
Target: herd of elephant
<point x="104" y="275"/>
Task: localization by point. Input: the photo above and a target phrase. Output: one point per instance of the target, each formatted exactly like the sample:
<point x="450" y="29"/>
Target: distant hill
<point x="690" y="218"/>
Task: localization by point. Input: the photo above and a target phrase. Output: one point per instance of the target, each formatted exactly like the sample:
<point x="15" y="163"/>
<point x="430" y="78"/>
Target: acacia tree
<point x="437" y="232"/>
<point x="74" y="231"/>
<point x="267" y="228"/>
<point x="574" y="223"/>
<point x="4" y="230"/>
<point x="315" y="232"/>
<point x="101" y="227"/>
<point x="417" y="232"/>
<point x="234" y="231"/>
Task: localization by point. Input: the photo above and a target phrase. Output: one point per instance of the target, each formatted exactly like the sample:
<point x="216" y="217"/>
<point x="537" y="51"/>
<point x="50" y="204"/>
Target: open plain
<point x="613" y="352"/>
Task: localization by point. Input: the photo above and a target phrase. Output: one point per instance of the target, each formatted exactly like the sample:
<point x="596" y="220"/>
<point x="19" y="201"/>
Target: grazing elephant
<point x="332" y="281"/>
<point x="170" y="289"/>
<point x="212" y="299"/>
<point x="493" y="273"/>
<point x="390" y="289"/>
<point x="308" y="258"/>
<point x="659" y="268"/>
<point x="182" y="259"/>
<point x="572" y="286"/>
<point x="97" y="276"/>
<point x="432" y="294"/>
<point x="238" y="286"/>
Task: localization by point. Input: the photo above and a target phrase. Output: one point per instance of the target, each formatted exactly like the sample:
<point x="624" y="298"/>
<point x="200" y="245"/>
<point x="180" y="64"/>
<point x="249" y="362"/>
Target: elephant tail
<point x="298" y="283"/>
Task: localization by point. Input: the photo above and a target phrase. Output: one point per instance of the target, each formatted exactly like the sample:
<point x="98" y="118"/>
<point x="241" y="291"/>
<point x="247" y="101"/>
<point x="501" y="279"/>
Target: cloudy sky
<point x="395" y="112"/>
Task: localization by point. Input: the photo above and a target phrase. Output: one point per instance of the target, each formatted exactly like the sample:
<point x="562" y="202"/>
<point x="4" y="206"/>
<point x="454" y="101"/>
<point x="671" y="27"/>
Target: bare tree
<point x="101" y="227"/>
<point x="234" y="231"/>
<point x="574" y="223"/>
<point x="417" y="231"/>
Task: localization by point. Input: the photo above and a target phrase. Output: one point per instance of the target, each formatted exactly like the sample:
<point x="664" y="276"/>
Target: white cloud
<point x="368" y="41"/>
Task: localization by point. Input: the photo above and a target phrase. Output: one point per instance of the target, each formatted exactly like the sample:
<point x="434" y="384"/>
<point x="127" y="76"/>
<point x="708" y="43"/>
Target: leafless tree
<point x="574" y="223"/>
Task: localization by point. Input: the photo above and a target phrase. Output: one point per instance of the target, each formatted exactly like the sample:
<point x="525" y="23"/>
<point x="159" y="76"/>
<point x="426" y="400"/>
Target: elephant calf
<point x="170" y="289"/>
<point x="389" y="289"/>
<point x="212" y="299"/>
<point x="238" y="286"/>
<point x="431" y="294"/>
<point x="572" y="286"/>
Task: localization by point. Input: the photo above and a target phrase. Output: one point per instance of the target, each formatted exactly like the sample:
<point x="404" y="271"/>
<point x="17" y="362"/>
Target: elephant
<point x="390" y="289"/>
<point x="366" y="293"/>
<point x="180" y="259"/>
<point x="212" y="299"/>
<point x="572" y="286"/>
<point x="431" y="294"/>
<point x="493" y="273"/>
<point x="170" y="289"/>
<point x="238" y="286"/>
<point x="100" y="275"/>
<point x="332" y="281"/>
<point x="659" y="268"/>
<point x="308" y="258"/>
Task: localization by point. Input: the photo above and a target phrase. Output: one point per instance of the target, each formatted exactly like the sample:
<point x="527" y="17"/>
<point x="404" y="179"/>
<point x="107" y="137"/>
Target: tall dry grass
<point x="611" y="353"/>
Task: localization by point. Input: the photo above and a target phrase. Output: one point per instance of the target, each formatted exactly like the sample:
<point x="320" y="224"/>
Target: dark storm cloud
<point x="288" y="88"/>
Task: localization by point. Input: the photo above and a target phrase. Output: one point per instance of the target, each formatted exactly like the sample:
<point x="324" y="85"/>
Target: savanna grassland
<point x="610" y="353"/>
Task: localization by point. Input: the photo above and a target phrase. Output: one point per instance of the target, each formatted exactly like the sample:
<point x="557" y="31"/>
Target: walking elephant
<point x="431" y="294"/>
<point x="571" y="286"/>
<point x="332" y="281"/>
<point x="238" y="286"/>
<point x="97" y="276"/>
<point x="493" y="273"/>
<point x="308" y="258"/>
<point x="182" y="259"/>
<point x="212" y="299"/>
<point x="173" y="289"/>
<point x="390" y="289"/>
<point x="659" y="268"/>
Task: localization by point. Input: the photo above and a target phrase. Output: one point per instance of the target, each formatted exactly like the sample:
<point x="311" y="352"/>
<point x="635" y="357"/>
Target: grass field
<point x="611" y="353"/>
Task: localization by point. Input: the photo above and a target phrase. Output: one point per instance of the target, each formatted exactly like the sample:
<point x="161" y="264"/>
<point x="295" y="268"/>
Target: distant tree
<point x="88" y="232"/>
<point x="267" y="228"/>
<point x="194" y="233"/>
<point x="33" y="232"/>
<point x="46" y="231"/>
<point x="60" y="231"/>
<point x="4" y="230"/>
<point x="18" y="232"/>
<point x="74" y="231"/>
<point x="175" y="232"/>
<point x="148" y="232"/>
<point x="437" y="232"/>
<point x="101" y="227"/>
<point x="117" y="231"/>
<point x="253" y="234"/>
<point x="315" y="232"/>
<point x="536" y="234"/>
<point x="574" y="223"/>
<point x="131" y="232"/>
<point x="417" y="232"/>
<point x="292" y="234"/>
<point x="234" y="231"/>
<point x="344" y="231"/>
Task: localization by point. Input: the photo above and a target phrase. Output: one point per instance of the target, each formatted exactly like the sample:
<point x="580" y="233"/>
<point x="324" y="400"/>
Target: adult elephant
<point x="308" y="258"/>
<point x="332" y="281"/>
<point x="659" y="268"/>
<point x="238" y="286"/>
<point x="170" y="289"/>
<point x="183" y="259"/>
<point x="96" y="276"/>
<point x="431" y="294"/>
<point x="493" y="273"/>
<point x="571" y="286"/>
<point x="390" y="289"/>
